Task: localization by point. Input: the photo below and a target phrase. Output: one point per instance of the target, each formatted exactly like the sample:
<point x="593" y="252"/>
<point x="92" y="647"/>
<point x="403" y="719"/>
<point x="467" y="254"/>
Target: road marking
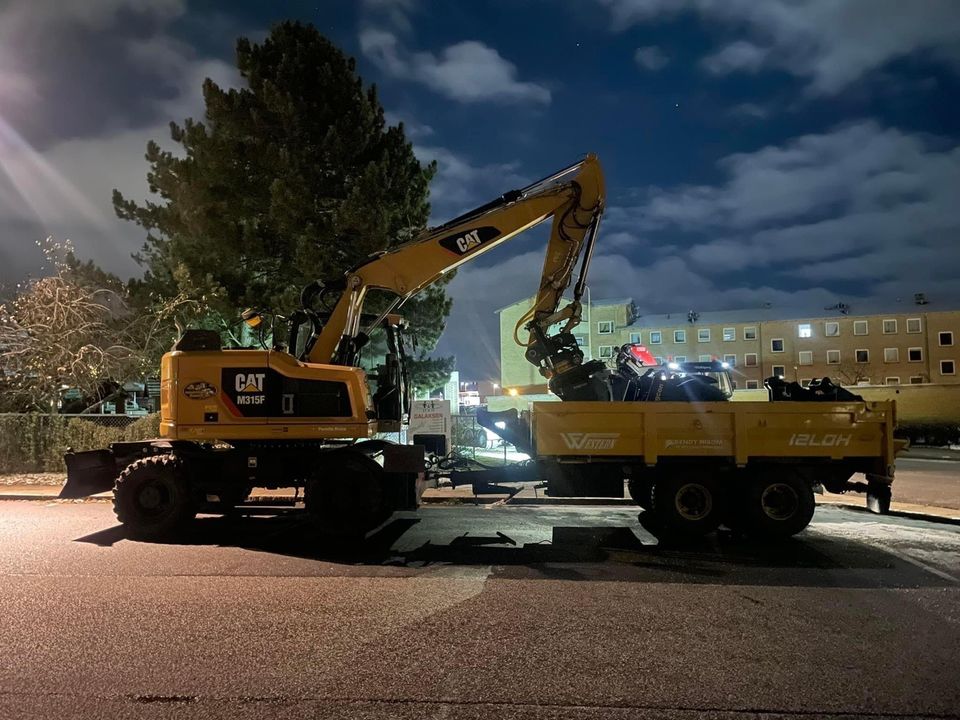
<point x="942" y="574"/>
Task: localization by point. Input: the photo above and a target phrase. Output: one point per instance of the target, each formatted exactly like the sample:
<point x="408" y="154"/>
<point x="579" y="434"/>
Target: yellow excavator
<point x="310" y="417"/>
<point x="233" y="419"/>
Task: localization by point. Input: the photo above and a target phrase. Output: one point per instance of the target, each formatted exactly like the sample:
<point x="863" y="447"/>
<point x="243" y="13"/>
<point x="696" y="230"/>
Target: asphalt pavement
<point x="479" y="612"/>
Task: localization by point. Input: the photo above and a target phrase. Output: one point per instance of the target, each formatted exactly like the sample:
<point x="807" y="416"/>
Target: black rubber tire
<point x="777" y="504"/>
<point x="153" y="498"/>
<point x="346" y="499"/>
<point x="688" y="502"/>
<point x="641" y="491"/>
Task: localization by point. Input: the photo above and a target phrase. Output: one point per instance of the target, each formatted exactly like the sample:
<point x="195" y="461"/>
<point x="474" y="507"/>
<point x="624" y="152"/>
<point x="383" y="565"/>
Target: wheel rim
<point x="779" y="501"/>
<point x="693" y="502"/>
<point x="154" y="498"/>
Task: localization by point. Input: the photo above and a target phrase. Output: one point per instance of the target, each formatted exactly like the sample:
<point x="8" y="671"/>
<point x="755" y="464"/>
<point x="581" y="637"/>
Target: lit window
<point x="806" y="357"/>
<point x="860" y="327"/>
<point x="655" y="337"/>
<point x="916" y="379"/>
<point x="833" y="357"/>
<point x="915" y="354"/>
<point x="705" y="358"/>
<point x="750" y="360"/>
<point x="778" y="371"/>
<point x="730" y="360"/>
<point x="946" y="339"/>
<point x="891" y="355"/>
<point x="753" y="385"/>
<point x="863" y="356"/>
<point x="635" y="337"/>
<point x="804" y="330"/>
<point x="729" y="334"/>
<point x="947" y="367"/>
<point x="889" y="327"/>
<point x="750" y="333"/>
<point x="914" y="326"/>
<point x="606" y="351"/>
<point x="679" y="336"/>
<point x="605" y="327"/>
<point x="892" y="381"/>
<point x="831" y="329"/>
<point x="703" y="335"/>
<point x="776" y="345"/>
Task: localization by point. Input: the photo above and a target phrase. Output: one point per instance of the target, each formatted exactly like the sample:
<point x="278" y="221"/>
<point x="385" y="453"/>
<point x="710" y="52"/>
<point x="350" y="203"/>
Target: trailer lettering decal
<point x="590" y="441"/>
<point x="694" y="443"/>
<point x="815" y="440"/>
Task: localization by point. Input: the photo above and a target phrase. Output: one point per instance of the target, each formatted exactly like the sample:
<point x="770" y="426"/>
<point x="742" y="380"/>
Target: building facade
<point x="911" y="345"/>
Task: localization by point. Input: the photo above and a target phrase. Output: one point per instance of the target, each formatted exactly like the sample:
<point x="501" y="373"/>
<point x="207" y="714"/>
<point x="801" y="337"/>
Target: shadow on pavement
<point x="584" y="553"/>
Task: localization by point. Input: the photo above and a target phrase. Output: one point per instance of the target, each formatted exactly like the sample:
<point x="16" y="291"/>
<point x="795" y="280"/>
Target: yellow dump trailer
<point x="752" y="464"/>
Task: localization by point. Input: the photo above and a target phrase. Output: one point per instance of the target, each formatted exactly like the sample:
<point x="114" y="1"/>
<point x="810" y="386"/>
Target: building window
<point x="750" y="360"/>
<point x="729" y="334"/>
<point x="778" y="371"/>
<point x="833" y="357"/>
<point x="705" y="358"/>
<point x="635" y="337"/>
<point x="581" y="340"/>
<point x="730" y="360"/>
<point x="914" y="326"/>
<point x="680" y="358"/>
<point x="863" y="356"/>
<point x="891" y="355"/>
<point x="703" y="335"/>
<point x="605" y="327"/>
<point x="655" y="337"/>
<point x="892" y="381"/>
<point x="946" y="339"/>
<point x="915" y="354"/>
<point x="860" y="327"/>
<point x="734" y="383"/>
<point x="805" y="382"/>
<point x="750" y="333"/>
<point x="679" y="336"/>
<point x="753" y="385"/>
<point x="916" y="379"/>
<point x="804" y="330"/>
<point x="776" y="345"/>
<point x="947" y="367"/>
<point x="831" y="329"/>
<point x="658" y="360"/>
<point x="890" y="327"/>
<point x="805" y="357"/>
<point x="606" y="351"/>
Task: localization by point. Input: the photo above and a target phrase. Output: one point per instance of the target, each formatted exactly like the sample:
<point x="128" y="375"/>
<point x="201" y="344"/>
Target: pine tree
<point x="293" y="178"/>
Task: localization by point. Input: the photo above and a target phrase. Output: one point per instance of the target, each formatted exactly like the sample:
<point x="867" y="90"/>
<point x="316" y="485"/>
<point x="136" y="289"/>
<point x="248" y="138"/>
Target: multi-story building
<point x="900" y="344"/>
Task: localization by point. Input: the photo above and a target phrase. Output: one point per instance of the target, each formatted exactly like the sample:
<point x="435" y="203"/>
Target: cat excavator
<point x="310" y="417"/>
<point x="307" y="417"/>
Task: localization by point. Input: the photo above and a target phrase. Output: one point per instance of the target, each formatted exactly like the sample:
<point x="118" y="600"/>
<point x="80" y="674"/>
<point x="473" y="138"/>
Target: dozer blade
<point x="88" y="473"/>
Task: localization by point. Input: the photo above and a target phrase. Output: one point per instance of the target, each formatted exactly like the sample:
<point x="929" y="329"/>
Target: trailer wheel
<point x="153" y="497"/>
<point x="641" y="491"/>
<point x="688" y="504"/>
<point x="345" y="500"/>
<point x="778" y="506"/>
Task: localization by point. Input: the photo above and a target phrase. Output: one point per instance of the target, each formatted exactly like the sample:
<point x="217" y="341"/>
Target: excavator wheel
<point x="776" y="504"/>
<point x="345" y="498"/>
<point x="153" y="497"/>
<point x="687" y="502"/>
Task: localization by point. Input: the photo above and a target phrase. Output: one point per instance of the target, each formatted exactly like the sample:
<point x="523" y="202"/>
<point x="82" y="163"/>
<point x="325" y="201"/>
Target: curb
<point x="534" y="502"/>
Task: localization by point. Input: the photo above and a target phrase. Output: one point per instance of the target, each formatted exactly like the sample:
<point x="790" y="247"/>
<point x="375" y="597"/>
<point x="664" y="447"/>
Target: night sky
<point x="792" y="153"/>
